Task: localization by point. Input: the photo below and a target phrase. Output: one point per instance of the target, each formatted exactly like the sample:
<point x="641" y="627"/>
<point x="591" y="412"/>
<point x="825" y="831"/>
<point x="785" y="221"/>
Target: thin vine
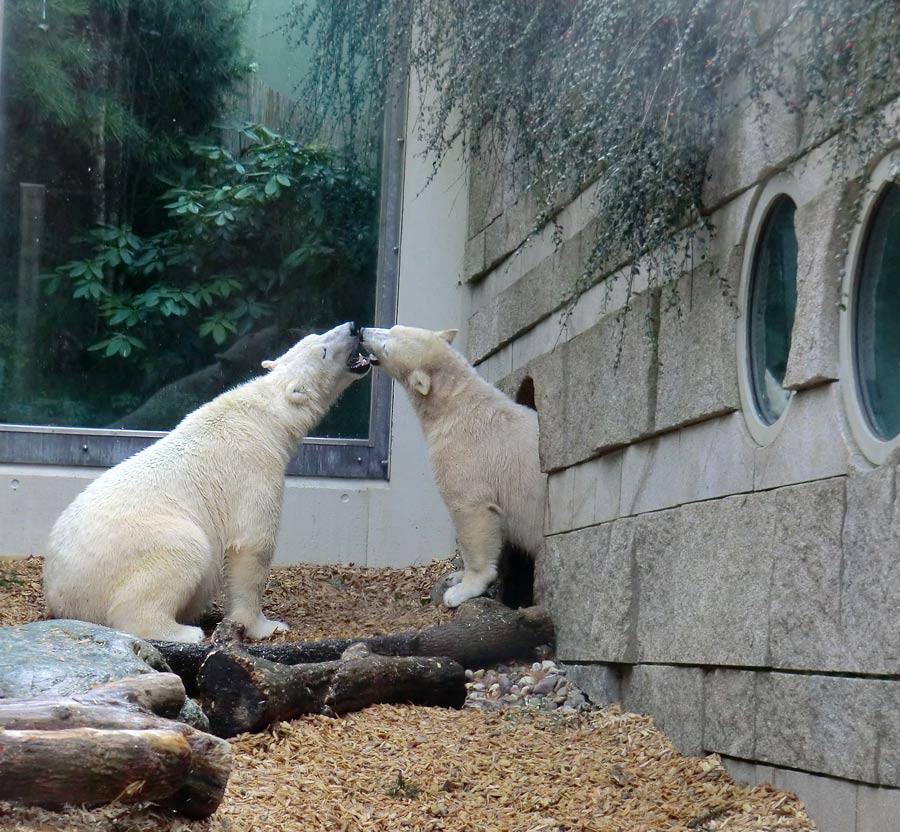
<point x="629" y="95"/>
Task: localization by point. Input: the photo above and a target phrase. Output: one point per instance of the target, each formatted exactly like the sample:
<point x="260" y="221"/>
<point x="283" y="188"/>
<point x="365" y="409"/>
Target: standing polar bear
<point x="151" y="541"/>
<point x="483" y="449"/>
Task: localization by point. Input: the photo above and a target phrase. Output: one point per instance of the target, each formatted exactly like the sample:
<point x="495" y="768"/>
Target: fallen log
<point x="91" y="765"/>
<point x="240" y="692"/>
<point x="483" y="633"/>
<point x="111" y="743"/>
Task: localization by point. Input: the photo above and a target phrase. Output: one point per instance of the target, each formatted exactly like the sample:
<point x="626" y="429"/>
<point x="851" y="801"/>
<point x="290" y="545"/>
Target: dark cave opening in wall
<point x="516" y="568"/>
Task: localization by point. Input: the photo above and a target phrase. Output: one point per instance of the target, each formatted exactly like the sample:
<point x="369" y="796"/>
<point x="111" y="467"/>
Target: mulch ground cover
<point x="405" y="768"/>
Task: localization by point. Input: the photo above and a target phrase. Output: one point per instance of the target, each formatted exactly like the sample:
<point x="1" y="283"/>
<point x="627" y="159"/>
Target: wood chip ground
<point x="402" y="768"/>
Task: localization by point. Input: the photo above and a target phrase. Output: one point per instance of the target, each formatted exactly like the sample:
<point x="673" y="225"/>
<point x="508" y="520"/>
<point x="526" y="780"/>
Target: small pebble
<point x="545" y="686"/>
<point x="541" y="685"/>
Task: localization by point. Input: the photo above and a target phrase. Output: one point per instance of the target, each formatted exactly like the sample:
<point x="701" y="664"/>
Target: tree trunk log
<point x="240" y="692"/>
<point x="91" y="765"/>
<point x="482" y="633"/>
<point x="111" y="743"/>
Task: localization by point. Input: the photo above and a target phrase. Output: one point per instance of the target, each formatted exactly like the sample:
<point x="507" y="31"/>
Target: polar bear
<point x="483" y="449"/>
<point x="151" y="541"/>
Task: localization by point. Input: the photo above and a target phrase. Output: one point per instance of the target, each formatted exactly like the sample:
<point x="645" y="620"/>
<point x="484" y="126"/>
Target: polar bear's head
<point x="317" y="369"/>
<point x="411" y="356"/>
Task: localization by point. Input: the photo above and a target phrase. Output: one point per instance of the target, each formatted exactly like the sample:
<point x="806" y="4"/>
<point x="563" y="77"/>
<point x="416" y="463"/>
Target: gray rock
<point x="870" y="582"/>
<point x="697" y="369"/>
<point x="730" y="713"/>
<point x="576" y="700"/>
<point x="597" y="391"/>
<point x="545" y="686"/>
<point x="704" y="582"/>
<point x="806" y="632"/>
<point x="758" y="136"/>
<point x="62" y="657"/>
<point x="673" y="696"/>
<point x="830" y="725"/>
<point x="602" y="683"/>
<point x="592" y="583"/>
<point x="821" y="225"/>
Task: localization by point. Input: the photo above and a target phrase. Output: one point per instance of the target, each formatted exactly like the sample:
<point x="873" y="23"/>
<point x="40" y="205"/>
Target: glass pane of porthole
<point x="171" y="214"/>
<point x="772" y="303"/>
<point x="877" y="321"/>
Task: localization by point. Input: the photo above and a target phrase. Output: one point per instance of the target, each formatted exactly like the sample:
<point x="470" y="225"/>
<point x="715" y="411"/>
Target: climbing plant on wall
<point x="631" y="95"/>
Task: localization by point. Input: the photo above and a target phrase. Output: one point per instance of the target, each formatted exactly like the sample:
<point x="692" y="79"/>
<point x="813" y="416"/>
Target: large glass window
<point x="877" y="318"/>
<point x="171" y="215"/>
<point x="772" y="302"/>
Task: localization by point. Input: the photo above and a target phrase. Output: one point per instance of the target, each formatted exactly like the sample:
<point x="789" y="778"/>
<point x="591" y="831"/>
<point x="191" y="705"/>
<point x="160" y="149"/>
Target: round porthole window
<point x="870" y="325"/>
<point x="769" y="302"/>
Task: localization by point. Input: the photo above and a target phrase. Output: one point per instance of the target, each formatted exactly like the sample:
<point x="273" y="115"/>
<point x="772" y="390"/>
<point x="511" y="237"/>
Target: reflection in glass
<point x="169" y="219"/>
<point x="772" y="303"/>
<point x="877" y="319"/>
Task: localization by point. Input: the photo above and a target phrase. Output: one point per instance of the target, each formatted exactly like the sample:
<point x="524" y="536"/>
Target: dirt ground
<point x="405" y="768"/>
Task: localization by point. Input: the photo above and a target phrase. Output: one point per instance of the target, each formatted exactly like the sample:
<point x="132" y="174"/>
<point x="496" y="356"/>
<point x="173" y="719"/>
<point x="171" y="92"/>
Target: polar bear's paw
<point x="191" y="635"/>
<point x="455" y="595"/>
<point x="264" y="627"/>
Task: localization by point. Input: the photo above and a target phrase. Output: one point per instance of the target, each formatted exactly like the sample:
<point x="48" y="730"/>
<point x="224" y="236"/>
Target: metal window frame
<point x="318" y="456"/>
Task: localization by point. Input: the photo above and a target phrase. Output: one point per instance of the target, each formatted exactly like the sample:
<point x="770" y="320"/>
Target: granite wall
<point x="746" y="595"/>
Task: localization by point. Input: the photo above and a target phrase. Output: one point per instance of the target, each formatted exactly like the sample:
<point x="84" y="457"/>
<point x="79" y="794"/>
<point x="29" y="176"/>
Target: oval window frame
<point x="775" y="189"/>
<point x="872" y="446"/>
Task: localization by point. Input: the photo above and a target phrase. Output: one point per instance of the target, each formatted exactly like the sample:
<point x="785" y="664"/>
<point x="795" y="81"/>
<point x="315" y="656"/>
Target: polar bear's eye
<point x="324" y="352"/>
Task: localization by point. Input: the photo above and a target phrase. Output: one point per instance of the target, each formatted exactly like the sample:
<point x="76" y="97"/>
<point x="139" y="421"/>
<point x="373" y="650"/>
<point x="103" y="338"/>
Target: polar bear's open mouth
<point x="358" y="363"/>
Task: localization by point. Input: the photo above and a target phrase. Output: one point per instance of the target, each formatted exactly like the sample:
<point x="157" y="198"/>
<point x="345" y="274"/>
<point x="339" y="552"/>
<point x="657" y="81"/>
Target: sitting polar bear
<point x="483" y="449"/>
<point x="150" y="542"/>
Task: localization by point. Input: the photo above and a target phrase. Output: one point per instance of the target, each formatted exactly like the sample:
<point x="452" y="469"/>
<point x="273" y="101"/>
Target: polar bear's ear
<point x="268" y="364"/>
<point x="448" y="335"/>
<point x="420" y="381"/>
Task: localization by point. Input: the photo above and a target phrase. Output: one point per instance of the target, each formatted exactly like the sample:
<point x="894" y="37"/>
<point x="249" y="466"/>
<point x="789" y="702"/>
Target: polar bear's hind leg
<point x="160" y="585"/>
<point x="480" y="535"/>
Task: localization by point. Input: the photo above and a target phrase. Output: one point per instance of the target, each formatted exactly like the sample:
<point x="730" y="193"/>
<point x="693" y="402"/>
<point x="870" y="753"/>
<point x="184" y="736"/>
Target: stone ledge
<point x="799" y="578"/>
<point x="839" y="726"/>
<point x="584" y="406"/>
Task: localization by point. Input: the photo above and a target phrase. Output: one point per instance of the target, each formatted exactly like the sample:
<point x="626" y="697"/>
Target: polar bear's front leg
<point x="480" y="535"/>
<point x="246" y="572"/>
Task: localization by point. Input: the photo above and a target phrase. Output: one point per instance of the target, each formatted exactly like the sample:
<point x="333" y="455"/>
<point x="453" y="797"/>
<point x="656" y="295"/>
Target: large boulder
<point x="62" y="657"/>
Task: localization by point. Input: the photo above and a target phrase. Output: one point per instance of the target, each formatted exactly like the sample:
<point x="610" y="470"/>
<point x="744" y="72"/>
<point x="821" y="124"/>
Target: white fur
<point x="483" y="449"/>
<point x="152" y="541"/>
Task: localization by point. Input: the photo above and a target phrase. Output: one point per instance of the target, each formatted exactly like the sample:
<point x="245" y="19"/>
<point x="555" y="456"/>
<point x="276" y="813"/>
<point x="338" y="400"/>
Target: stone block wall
<point x="746" y="596"/>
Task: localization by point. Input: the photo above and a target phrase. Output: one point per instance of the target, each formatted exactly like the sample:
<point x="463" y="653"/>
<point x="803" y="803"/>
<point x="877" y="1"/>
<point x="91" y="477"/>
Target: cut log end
<point x="108" y="744"/>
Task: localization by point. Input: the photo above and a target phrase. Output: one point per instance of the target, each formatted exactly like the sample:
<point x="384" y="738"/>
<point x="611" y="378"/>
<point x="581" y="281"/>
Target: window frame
<point x="874" y="448"/>
<point x="356" y="458"/>
<point x="777" y="188"/>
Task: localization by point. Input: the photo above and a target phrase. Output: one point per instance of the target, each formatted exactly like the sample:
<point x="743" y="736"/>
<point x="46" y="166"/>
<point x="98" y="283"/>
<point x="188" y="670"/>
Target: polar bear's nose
<point x="354" y="329"/>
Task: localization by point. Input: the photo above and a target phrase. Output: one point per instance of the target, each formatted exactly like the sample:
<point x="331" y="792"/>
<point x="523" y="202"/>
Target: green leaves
<point x="217" y="327"/>
<point x="247" y="241"/>
<point x="628" y="95"/>
<point x="118" y="344"/>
